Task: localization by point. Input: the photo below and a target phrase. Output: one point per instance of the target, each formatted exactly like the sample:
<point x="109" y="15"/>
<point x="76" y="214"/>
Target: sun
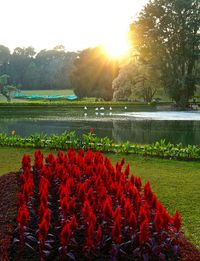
<point x="117" y="47"/>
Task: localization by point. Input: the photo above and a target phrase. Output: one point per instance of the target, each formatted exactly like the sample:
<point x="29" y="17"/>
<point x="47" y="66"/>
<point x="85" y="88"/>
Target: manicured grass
<point x="176" y="183"/>
<point x="49" y="92"/>
<point x="39" y="92"/>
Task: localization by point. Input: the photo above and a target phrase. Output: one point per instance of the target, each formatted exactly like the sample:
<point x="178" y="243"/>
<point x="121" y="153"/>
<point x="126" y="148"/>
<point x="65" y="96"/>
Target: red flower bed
<point x="79" y="206"/>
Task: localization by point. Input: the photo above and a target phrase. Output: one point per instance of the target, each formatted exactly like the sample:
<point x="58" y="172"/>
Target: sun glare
<point x="117" y="47"/>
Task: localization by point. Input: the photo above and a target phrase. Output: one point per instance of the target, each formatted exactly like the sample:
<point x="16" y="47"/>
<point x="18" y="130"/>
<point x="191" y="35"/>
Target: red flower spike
<point x="158" y="221"/>
<point x="73" y="223"/>
<point x="99" y="235"/>
<point x="138" y="183"/>
<point x="127" y="208"/>
<point x="90" y="232"/>
<point x="23" y="215"/>
<point x="127" y="171"/>
<point x="133" y="221"/>
<point x="65" y="234"/>
<point x="20" y="197"/>
<point x="64" y="205"/>
<point x="47" y="216"/>
<point x="176" y="219"/>
<point x="142" y="214"/>
<point x="86" y="209"/>
<point x="107" y="209"/>
<point x="116" y="232"/>
<point x="144" y="231"/>
<point x="72" y="204"/>
<point x="43" y="230"/>
<point x="154" y="201"/>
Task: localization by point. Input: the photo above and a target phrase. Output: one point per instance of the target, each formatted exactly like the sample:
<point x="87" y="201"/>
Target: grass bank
<point x="175" y="183"/>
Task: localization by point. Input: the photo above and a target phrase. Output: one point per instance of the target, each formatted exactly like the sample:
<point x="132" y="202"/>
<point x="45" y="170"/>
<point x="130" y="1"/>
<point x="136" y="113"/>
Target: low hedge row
<point x="90" y="140"/>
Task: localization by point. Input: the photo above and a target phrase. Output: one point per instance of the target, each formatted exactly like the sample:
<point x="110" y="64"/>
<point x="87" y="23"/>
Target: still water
<point x="135" y="124"/>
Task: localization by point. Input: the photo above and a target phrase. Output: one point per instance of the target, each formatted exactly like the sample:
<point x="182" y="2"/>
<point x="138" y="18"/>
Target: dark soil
<point x="8" y="211"/>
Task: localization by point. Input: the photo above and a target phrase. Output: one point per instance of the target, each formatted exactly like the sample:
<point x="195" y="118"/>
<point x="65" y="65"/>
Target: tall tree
<point x="167" y="35"/>
<point x="4" y="59"/>
<point x="136" y="79"/>
<point x="93" y="74"/>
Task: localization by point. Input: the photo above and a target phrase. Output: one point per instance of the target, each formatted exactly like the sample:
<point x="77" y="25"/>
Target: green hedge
<point x="90" y="140"/>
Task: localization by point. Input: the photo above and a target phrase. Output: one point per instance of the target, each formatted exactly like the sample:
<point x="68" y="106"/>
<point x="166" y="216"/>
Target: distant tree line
<point x="28" y="70"/>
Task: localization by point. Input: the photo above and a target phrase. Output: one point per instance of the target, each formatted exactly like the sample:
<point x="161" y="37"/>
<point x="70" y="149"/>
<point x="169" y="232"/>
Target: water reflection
<point x="146" y="131"/>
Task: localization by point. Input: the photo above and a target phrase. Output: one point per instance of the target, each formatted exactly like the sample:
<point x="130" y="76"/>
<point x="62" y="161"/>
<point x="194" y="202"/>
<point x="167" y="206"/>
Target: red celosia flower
<point x="86" y="209"/>
<point x="81" y="152"/>
<point x="127" y="208"/>
<point x="65" y="234"/>
<point x="166" y="218"/>
<point x="91" y="130"/>
<point x="107" y="209"/>
<point x="117" y="213"/>
<point x="73" y="223"/>
<point x="20" y="197"/>
<point x="47" y="215"/>
<point x="43" y="230"/>
<point x="127" y="171"/>
<point x="72" y="205"/>
<point x="133" y="221"/>
<point x="154" y="201"/>
<point x="144" y="231"/>
<point x="99" y="235"/>
<point x="142" y="214"/>
<point x="116" y="232"/>
<point x="92" y="217"/>
<point x="138" y="183"/>
<point x="23" y="215"/>
<point x="176" y="219"/>
<point x="26" y="161"/>
<point x="158" y="221"/>
<point x="64" y="205"/>
<point x="147" y="191"/>
<point x="90" y="232"/>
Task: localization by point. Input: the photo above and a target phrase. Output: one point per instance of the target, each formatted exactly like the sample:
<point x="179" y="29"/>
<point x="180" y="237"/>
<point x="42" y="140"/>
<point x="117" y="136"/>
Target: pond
<point x="137" y="124"/>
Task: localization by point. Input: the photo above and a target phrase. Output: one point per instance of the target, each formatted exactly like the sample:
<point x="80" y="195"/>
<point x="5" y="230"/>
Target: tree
<point x="137" y="79"/>
<point x="5" y="89"/>
<point x="167" y="35"/>
<point x="93" y="74"/>
<point x="4" y="59"/>
<point x="19" y="62"/>
<point x="55" y="67"/>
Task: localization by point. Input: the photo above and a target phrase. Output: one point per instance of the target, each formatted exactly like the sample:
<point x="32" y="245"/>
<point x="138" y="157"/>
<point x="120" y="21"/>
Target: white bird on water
<point x="96" y="109"/>
<point x="85" y="108"/>
<point x="110" y="108"/>
<point x="102" y="108"/>
<point x="125" y="108"/>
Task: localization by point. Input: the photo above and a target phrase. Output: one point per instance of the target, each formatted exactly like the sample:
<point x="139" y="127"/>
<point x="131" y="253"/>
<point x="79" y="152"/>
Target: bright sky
<point x="77" y="24"/>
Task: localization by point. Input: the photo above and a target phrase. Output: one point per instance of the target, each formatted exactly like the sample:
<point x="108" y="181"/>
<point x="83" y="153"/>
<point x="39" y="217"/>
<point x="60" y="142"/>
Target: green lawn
<point x="176" y="183"/>
<point x="49" y="92"/>
<point x="40" y="92"/>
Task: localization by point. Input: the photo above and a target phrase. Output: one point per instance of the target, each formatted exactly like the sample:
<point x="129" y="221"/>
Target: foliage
<point x="90" y="208"/>
<point x="48" y="69"/>
<point x="5" y="89"/>
<point x="136" y="79"/>
<point x="166" y="35"/>
<point x="93" y="74"/>
<point x="66" y="140"/>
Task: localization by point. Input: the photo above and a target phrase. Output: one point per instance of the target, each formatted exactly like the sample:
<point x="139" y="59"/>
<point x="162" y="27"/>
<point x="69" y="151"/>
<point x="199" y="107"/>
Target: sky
<point x="76" y="24"/>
